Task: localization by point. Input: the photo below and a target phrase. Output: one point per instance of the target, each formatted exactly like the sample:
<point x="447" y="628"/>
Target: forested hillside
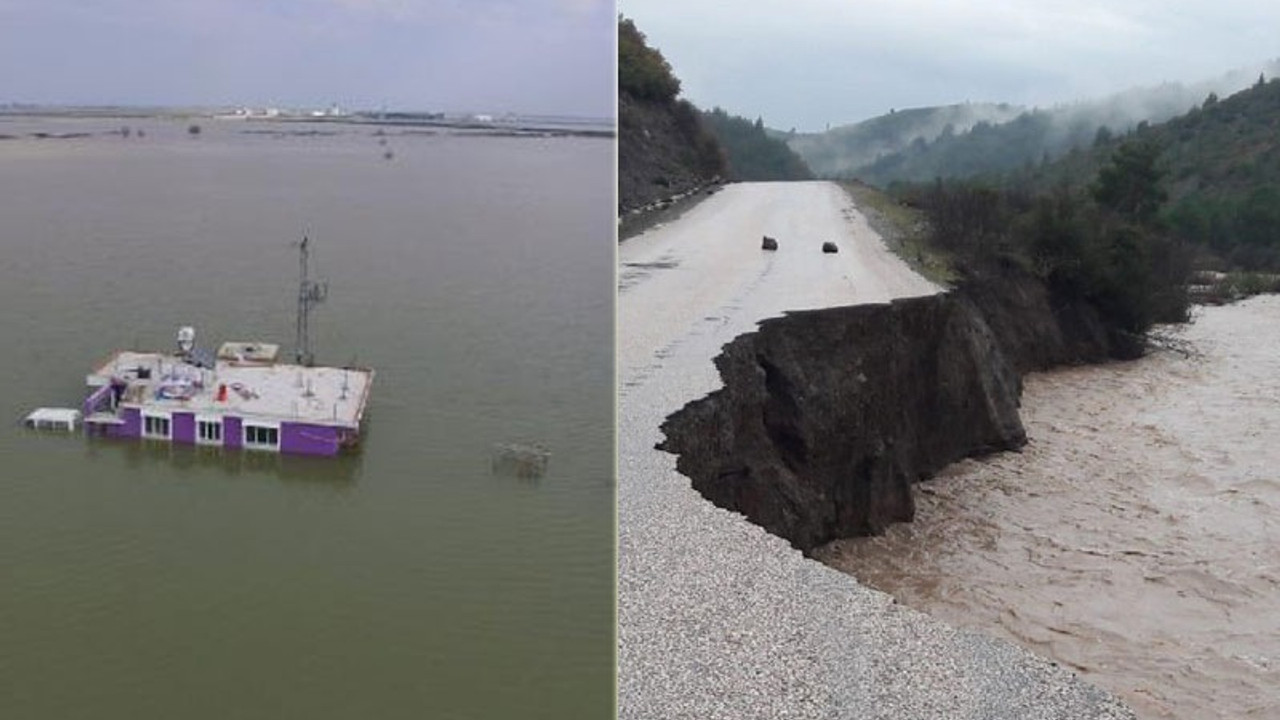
<point x="1221" y="162"/>
<point x="1121" y="225"/>
<point x="751" y="153"/>
<point x="1006" y="139"/>
<point x="1100" y="245"/>
<point x="841" y="151"/>
<point x="663" y="148"/>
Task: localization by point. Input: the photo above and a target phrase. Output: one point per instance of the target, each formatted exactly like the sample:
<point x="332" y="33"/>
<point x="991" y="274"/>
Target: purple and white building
<point x="240" y="398"/>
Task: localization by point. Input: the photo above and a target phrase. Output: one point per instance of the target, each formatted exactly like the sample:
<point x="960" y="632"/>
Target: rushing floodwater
<point x="1136" y="538"/>
<point x="474" y="273"/>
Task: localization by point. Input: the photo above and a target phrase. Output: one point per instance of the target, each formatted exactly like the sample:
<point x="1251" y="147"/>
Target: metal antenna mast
<point x="310" y="294"/>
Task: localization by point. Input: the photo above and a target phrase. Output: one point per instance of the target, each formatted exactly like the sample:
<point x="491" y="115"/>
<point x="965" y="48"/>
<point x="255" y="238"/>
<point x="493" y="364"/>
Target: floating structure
<point x="240" y="397"/>
<point x="53" y="419"/>
<point x="244" y="398"/>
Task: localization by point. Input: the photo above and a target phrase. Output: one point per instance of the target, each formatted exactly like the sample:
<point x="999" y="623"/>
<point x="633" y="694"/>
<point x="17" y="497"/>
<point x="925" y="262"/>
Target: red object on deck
<point x="222" y="392"/>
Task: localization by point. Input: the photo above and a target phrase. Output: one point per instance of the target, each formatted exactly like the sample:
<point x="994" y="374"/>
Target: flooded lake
<point x="476" y="274"/>
<point x="1136" y="539"/>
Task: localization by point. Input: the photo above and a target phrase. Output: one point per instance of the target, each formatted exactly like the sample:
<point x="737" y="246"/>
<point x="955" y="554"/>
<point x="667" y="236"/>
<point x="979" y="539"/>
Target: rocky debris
<point x="768" y="243"/>
<point x="665" y="202"/>
<point x="663" y="210"/>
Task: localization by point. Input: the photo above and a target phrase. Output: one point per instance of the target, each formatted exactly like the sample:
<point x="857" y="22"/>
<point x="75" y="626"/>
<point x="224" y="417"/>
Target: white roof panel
<point x="321" y="395"/>
<point x="54" y="416"/>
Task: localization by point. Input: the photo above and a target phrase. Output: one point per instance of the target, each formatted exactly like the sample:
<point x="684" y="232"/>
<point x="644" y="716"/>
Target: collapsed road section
<point x="718" y="618"/>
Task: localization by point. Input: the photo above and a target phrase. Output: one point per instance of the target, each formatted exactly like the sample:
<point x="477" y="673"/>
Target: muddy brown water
<point x="1136" y="539"/>
<point x="406" y="581"/>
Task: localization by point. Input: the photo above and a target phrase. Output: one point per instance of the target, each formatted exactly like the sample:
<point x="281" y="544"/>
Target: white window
<point x="260" y="436"/>
<point x="155" y="426"/>
<point x="209" y="431"/>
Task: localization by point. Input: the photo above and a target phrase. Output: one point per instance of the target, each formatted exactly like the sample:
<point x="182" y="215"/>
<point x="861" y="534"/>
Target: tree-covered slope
<point x="841" y="151"/>
<point x="1222" y="163"/>
<point x="752" y="154"/>
<point x="1210" y="177"/>
<point x="663" y="148"/>
<point x="995" y="145"/>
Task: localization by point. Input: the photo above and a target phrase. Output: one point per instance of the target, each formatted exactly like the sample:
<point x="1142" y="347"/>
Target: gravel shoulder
<point x="717" y="618"/>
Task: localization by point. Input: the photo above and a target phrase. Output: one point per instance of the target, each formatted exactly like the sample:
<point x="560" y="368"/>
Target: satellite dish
<point x="186" y="339"/>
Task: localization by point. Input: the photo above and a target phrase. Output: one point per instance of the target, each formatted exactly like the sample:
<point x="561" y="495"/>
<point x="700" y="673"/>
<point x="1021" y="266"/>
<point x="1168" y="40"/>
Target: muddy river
<point x="1136" y="539"/>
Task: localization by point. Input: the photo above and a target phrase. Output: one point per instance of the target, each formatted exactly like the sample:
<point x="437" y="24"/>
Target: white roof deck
<point x="273" y="392"/>
<point x="53" y="418"/>
<point x="248" y="351"/>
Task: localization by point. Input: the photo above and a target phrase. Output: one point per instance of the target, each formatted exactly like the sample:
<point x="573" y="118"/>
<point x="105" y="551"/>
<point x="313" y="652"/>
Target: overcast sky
<point x="807" y="63"/>
<point x="530" y="56"/>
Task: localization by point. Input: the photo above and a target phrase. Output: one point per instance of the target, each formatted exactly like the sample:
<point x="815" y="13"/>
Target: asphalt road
<point x="717" y="618"/>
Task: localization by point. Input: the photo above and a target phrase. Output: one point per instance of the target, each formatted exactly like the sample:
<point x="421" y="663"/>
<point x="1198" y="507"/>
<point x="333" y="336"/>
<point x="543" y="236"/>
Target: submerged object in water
<point x="523" y="461"/>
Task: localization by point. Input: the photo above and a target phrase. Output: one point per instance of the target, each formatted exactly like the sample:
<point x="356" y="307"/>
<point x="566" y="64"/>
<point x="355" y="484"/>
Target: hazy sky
<point x="531" y="56"/>
<point x="807" y="63"/>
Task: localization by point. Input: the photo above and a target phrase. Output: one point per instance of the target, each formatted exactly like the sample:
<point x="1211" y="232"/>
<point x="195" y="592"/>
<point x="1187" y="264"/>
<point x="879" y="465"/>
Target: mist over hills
<point x="841" y="151"/>
<point x="983" y="138"/>
<point x="1220" y="166"/>
<point x="1201" y="189"/>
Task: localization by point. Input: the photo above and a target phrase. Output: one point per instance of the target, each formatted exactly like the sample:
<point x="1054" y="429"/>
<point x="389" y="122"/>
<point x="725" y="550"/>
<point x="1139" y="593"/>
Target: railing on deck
<point x="98" y="401"/>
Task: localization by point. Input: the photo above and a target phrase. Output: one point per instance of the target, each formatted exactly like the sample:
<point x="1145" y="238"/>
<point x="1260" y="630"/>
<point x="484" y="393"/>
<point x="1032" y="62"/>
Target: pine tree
<point x="1130" y="183"/>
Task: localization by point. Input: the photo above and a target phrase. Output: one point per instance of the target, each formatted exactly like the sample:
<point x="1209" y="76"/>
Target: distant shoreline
<point x="512" y="126"/>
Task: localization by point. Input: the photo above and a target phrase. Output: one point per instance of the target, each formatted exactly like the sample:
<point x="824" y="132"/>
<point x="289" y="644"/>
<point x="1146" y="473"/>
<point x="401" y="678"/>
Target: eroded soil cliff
<point x="826" y="417"/>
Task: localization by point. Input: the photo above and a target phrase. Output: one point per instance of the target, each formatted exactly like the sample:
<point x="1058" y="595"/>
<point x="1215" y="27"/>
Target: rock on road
<point x="717" y="618"/>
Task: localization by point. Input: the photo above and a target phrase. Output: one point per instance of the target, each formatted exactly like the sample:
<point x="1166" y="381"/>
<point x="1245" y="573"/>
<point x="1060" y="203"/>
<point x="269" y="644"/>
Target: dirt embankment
<point x="827" y="416"/>
<point x="664" y="156"/>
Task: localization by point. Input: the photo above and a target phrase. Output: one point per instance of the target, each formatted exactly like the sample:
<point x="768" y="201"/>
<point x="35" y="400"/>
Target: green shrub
<point x="1106" y="247"/>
